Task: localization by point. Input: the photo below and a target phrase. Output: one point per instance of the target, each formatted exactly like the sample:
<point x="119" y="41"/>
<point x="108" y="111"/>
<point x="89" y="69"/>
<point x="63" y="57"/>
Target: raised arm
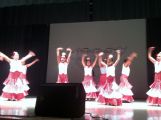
<point x="69" y="54"/>
<point x="83" y="60"/>
<point x="150" y="50"/>
<point x="5" y="57"/>
<point x="32" y="63"/>
<point x="118" y="57"/>
<point x="95" y="60"/>
<point x="100" y="61"/>
<point x="58" y="53"/>
<point x="29" y="55"/>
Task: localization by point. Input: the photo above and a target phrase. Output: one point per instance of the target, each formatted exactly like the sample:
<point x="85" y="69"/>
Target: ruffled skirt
<point x="110" y="93"/>
<point x="125" y="89"/>
<point x="16" y="86"/>
<point x="89" y="87"/>
<point x="154" y="94"/>
<point x="62" y="78"/>
<point x="102" y="81"/>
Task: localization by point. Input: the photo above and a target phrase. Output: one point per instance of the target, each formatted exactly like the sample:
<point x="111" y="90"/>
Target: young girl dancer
<point x="103" y="68"/>
<point x="63" y="61"/>
<point x="110" y="94"/>
<point x="14" y="88"/>
<point x="125" y="86"/>
<point x="154" y="94"/>
<point x="88" y="82"/>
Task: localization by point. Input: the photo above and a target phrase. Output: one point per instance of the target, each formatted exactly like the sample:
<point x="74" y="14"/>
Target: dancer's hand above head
<point x="69" y="49"/>
<point x="118" y="51"/>
<point x="100" y="54"/>
<point x="37" y="60"/>
<point x="151" y="58"/>
<point x="59" y="48"/>
<point x="151" y="48"/>
<point x="32" y="53"/>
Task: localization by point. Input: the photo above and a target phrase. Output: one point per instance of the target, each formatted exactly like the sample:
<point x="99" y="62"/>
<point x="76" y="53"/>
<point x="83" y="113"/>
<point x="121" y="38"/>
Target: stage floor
<point x="138" y="110"/>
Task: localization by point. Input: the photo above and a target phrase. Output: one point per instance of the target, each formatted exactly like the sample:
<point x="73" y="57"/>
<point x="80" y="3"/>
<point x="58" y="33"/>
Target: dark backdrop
<point x="24" y="12"/>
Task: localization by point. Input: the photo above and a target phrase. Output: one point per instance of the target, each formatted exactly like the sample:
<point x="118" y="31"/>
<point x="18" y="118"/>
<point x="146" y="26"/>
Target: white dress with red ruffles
<point x="124" y="86"/>
<point x="62" y="76"/>
<point x="16" y="84"/>
<point x="154" y="94"/>
<point x="110" y="93"/>
<point x="88" y="83"/>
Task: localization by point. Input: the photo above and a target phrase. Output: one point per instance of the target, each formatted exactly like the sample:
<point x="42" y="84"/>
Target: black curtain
<point x="79" y="11"/>
<point x="44" y="14"/>
<point x="9" y="3"/>
<point x="23" y="39"/>
<point x="125" y="9"/>
<point x="153" y="39"/>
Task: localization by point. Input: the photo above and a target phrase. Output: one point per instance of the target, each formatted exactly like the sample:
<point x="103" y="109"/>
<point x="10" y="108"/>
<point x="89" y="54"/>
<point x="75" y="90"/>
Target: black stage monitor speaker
<point x="61" y="100"/>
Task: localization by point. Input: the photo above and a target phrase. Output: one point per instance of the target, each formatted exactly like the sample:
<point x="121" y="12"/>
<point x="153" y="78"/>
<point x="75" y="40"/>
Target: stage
<point x="138" y="110"/>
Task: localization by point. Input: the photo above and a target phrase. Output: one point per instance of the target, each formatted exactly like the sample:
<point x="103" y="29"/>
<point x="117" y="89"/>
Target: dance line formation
<point x="108" y="91"/>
